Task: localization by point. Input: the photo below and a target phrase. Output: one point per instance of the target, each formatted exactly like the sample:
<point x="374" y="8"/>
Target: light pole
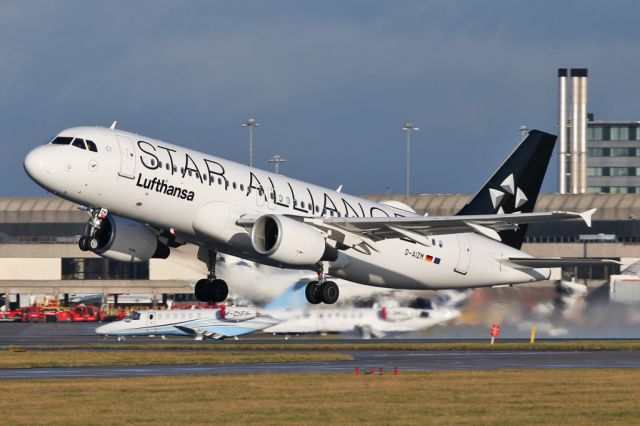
<point x="408" y="128"/>
<point x="250" y="124"/>
<point x="524" y="130"/>
<point x="276" y="160"/>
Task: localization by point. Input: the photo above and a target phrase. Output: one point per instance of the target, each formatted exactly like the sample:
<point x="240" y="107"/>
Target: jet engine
<point x="128" y="241"/>
<point x="290" y="241"/>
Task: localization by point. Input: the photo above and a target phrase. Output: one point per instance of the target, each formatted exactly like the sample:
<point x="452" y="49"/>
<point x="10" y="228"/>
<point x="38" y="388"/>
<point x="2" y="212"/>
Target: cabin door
<point x="127" y="157"/>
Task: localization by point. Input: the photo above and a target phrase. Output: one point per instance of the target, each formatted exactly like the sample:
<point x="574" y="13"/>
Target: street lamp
<point x="524" y="130"/>
<point x="250" y="124"/>
<point x="276" y="160"/>
<point x="408" y="128"/>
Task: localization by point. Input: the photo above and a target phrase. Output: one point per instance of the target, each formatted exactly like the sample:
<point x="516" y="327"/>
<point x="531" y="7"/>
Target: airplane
<point x="378" y="321"/>
<point x="214" y="323"/>
<point x="146" y="196"/>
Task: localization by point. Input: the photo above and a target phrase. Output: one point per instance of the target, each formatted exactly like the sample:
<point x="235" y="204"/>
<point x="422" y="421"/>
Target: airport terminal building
<point x="39" y="252"/>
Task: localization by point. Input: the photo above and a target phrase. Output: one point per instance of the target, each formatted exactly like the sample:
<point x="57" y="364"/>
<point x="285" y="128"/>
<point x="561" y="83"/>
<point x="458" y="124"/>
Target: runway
<point x="364" y="360"/>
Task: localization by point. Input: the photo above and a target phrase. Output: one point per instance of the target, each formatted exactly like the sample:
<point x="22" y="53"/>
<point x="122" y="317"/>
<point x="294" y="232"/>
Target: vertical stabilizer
<point x="515" y="186"/>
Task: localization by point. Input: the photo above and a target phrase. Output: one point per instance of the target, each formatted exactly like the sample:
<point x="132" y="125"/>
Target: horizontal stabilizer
<point x="555" y="262"/>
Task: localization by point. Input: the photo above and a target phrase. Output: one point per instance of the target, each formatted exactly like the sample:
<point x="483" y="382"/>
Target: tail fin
<point x="515" y="186"/>
<point x="292" y="298"/>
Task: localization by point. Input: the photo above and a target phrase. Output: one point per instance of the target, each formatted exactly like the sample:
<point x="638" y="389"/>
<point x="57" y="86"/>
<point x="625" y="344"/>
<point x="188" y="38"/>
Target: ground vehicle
<point x="86" y="314"/>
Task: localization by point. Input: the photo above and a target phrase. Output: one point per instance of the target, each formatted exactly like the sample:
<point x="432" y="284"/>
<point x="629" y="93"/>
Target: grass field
<point x="558" y="397"/>
<point x="33" y="359"/>
<point x="588" y="345"/>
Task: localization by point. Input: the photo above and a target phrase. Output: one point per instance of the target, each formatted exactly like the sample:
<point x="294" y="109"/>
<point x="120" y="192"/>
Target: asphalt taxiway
<point x="364" y="360"/>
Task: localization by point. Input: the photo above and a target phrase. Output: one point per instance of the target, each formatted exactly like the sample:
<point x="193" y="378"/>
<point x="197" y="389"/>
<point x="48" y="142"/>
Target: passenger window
<point x="241" y="187"/>
<point x="204" y="177"/>
<point x="219" y="181"/>
<point x="61" y="140"/>
<point x="189" y="172"/>
<point x="168" y="166"/>
<point x="302" y="204"/>
<point x="234" y="185"/>
<point x="175" y="169"/>
<point x="78" y="143"/>
<point x="91" y="146"/>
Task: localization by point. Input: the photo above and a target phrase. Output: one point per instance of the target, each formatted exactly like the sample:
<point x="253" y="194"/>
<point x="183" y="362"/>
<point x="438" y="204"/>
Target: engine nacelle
<point x="128" y="241"/>
<point x="290" y="241"/>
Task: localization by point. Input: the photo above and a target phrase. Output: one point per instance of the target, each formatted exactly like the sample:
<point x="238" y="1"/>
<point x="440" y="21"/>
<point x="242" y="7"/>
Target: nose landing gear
<point x="90" y="241"/>
<point x="211" y="289"/>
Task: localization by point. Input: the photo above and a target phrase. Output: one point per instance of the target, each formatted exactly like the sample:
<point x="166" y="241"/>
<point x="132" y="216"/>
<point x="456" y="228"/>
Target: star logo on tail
<point x="507" y="186"/>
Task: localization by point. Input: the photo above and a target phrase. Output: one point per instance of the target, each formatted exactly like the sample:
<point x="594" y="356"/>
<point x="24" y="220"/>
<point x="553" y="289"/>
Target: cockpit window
<point x="91" y="146"/>
<point x="61" y="140"/>
<point x="135" y="315"/>
<point x="79" y="143"/>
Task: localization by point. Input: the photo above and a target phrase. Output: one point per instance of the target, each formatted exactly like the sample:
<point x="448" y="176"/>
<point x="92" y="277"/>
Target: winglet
<point x="113" y="125"/>
<point x="586" y="216"/>
<point x="339" y="189"/>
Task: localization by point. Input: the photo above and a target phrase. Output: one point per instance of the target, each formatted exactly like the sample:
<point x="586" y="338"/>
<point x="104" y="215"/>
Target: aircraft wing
<point x="417" y="229"/>
<point x="217" y="329"/>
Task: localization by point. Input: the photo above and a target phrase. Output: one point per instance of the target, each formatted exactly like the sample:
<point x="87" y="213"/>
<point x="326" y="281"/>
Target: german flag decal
<point x="428" y="258"/>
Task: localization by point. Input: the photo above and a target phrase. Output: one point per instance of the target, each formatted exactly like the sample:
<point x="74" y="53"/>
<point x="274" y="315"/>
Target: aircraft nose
<point x="34" y="164"/>
<point x="103" y="329"/>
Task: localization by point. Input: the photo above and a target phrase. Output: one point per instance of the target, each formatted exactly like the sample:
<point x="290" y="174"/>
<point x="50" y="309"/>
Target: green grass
<point x="627" y="345"/>
<point x="35" y="359"/>
<point x="523" y="397"/>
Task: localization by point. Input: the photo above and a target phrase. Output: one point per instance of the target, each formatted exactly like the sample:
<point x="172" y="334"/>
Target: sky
<point x="330" y="82"/>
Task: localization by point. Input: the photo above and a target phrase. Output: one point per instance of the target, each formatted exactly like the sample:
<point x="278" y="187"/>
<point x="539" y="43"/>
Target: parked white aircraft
<point x="145" y="196"/>
<point x="214" y="323"/>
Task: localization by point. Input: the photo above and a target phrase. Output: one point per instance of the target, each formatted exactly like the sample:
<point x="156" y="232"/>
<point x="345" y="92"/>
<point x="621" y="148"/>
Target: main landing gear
<point x="211" y="289"/>
<point x="90" y="241"/>
<point x="326" y="292"/>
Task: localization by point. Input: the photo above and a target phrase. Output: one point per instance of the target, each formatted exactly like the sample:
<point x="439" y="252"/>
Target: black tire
<point x="202" y="290"/>
<point x="329" y="292"/>
<point x="92" y="243"/>
<point x="82" y="243"/>
<point x="312" y="292"/>
<point x="219" y="291"/>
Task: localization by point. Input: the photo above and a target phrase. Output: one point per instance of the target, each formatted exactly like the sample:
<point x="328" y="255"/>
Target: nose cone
<point x="35" y="166"/>
<point x="104" y="329"/>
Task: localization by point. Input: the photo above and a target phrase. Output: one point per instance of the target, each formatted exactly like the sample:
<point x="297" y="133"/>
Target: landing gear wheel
<point x="219" y="291"/>
<point x="92" y="243"/>
<point x="211" y="291"/>
<point x="329" y="292"/>
<point x="82" y="243"/>
<point x="202" y="290"/>
<point x="313" y="293"/>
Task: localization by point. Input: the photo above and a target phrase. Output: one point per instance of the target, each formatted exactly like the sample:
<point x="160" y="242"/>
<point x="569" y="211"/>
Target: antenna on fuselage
<point x="113" y="125"/>
<point x="339" y="189"/>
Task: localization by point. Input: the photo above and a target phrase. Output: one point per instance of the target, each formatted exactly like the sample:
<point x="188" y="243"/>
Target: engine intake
<point x="290" y="241"/>
<point x="128" y="241"/>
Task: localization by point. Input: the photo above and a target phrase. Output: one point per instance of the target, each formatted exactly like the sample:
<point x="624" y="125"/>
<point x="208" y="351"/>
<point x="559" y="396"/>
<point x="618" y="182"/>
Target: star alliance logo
<point x="508" y="187"/>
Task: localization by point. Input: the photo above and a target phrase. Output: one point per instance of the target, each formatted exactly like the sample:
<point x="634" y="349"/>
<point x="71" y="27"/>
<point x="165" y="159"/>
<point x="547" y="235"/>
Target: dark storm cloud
<point x="331" y="82"/>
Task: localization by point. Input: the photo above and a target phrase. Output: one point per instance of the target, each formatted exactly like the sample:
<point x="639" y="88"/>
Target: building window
<point x="103" y="269"/>
<point x="619" y="133"/>
<point x="595" y="133"/>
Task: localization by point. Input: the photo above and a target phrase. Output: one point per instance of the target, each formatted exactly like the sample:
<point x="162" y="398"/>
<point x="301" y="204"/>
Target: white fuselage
<point x="375" y="321"/>
<point x="187" y="322"/>
<point x="167" y="186"/>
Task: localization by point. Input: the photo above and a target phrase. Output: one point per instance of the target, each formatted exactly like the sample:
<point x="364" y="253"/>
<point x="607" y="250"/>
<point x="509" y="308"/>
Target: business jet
<point x="146" y="196"/>
<point x="378" y="321"/>
<point x="212" y="323"/>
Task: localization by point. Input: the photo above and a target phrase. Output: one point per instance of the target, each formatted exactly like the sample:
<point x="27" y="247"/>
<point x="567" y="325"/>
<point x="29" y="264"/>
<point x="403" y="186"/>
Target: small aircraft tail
<point x="292" y="298"/>
<point x="515" y="186"/>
